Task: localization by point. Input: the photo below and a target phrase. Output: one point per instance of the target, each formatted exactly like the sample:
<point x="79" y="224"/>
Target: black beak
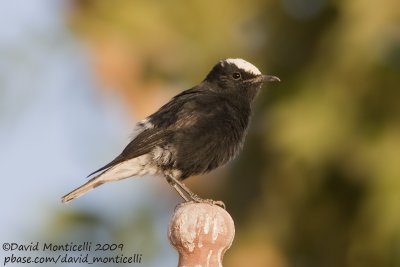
<point x="263" y="79"/>
<point x="270" y="78"/>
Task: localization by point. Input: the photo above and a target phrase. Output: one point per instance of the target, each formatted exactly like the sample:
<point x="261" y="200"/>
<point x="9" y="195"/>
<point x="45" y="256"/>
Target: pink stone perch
<point x="201" y="233"/>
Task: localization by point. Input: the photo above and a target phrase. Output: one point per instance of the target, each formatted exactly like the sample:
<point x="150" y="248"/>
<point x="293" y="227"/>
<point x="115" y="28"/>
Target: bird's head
<point x="238" y="76"/>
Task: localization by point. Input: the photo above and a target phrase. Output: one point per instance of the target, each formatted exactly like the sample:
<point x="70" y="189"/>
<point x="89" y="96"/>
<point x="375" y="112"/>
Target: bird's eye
<point x="236" y="75"/>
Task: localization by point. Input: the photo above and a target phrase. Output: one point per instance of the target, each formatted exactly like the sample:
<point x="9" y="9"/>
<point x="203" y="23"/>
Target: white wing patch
<point x="244" y="65"/>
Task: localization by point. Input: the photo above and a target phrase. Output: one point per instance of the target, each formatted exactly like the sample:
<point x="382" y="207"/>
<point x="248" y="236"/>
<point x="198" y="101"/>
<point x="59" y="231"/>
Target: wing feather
<point x="165" y="122"/>
<point x="142" y="144"/>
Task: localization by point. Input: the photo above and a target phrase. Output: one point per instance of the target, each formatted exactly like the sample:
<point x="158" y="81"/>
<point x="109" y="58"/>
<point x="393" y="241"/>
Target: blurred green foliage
<point x="318" y="182"/>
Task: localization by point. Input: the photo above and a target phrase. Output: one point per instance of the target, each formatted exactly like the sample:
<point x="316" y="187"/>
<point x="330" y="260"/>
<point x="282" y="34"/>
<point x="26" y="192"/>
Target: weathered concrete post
<point x="201" y="233"/>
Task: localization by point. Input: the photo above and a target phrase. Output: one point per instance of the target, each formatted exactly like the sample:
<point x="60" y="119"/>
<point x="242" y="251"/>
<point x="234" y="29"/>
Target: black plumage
<point x="197" y="131"/>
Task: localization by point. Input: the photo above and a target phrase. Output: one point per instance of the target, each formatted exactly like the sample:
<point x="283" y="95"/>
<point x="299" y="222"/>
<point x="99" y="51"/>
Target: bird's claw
<point x="218" y="203"/>
<point x="198" y="199"/>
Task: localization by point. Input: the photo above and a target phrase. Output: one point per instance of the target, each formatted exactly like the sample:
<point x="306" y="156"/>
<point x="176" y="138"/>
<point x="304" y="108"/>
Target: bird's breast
<point x="211" y="143"/>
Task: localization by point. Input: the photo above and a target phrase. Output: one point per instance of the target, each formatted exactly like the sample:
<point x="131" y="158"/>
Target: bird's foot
<point x="198" y="199"/>
<point x="218" y="203"/>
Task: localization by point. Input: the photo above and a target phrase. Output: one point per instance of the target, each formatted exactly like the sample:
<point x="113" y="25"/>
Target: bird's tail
<point x="136" y="166"/>
<point x="83" y="189"/>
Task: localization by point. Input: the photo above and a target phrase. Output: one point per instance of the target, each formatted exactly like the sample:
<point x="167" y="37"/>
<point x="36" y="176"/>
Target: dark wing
<point x="177" y="109"/>
<point x="143" y="143"/>
<point x="164" y="123"/>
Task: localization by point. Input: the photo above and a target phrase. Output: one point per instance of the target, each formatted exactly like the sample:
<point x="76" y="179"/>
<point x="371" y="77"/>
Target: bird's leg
<point x="179" y="186"/>
<point x="179" y="190"/>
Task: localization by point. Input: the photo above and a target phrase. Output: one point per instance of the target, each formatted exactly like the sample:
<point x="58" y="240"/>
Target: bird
<point x="197" y="131"/>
